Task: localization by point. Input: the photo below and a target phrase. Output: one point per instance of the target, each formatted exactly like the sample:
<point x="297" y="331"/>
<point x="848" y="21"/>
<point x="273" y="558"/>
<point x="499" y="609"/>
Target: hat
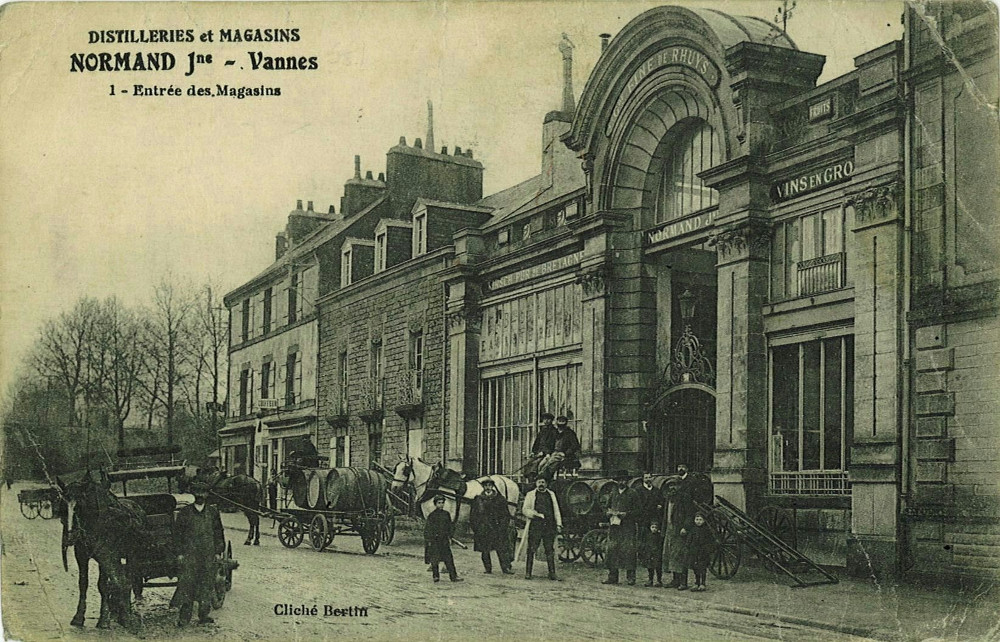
<point x="621" y="474"/>
<point x="488" y="482"/>
<point x="199" y="488"/>
<point x="561" y="419"/>
<point x="438" y="498"/>
<point x="547" y="415"/>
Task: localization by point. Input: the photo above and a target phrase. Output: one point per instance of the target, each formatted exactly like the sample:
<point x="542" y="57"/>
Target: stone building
<point x="720" y="262"/>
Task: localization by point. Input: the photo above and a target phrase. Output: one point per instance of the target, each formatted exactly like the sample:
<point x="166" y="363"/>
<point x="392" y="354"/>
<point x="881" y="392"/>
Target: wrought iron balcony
<point x="371" y="397"/>
<point x="409" y="393"/>
<point x="822" y="274"/>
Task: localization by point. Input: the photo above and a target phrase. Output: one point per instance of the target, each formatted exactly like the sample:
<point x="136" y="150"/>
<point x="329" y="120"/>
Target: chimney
<point x="280" y="245"/>
<point x="368" y="175"/>
<point x="458" y="150"/>
<point x="357" y="168"/>
<point x="332" y="211"/>
<point x="381" y="176"/>
<point x="566" y="49"/>
<point x="402" y="141"/>
<point x="298" y="205"/>
<point x="444" y="150"/>
<point x="430" y="126"/>
<point x="310" y="206"/>
<point x="418" y="144"/>
<point x="604" y="41"/>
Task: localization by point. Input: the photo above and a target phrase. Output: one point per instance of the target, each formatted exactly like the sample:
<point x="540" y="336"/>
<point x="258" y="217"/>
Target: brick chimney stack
<point x="430" y="126"/>
<point x="566" y="49"/>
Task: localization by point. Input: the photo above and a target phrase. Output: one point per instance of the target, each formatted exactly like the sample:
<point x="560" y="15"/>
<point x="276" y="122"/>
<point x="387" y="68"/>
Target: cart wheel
<point x="45" y="509"/>
<point x="777" y="521"/>
<point x="229" y="571"/>
<point x="569" y="548"/>
<point x="592" y="547"/>
<point x="29" y="509"/>
<point x="219" y="590"/>
<point x="319" y="533"/>
<point x="290" y="532"/>
<point x="389" y="528"/>
<point x="370" y="537"/>
<point x="728" y="551"/>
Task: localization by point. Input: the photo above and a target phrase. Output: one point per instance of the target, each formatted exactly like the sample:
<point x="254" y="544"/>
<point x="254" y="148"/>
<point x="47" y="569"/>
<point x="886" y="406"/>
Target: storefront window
<point x="680" y="192"/>
<point x="812" y="386"/>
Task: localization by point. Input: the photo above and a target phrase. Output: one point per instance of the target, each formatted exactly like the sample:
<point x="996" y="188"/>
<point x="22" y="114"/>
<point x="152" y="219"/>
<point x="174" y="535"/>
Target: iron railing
<point x="822" y="274"/>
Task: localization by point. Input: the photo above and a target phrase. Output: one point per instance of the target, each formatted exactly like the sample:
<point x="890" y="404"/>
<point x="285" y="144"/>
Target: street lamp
<point x="687" y="301"/>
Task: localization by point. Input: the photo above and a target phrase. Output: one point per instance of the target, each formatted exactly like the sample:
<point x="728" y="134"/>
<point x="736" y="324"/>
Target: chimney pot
<point x="419" y="144"/>
<point x="298" y="205"/>
<point x="368" y="175"/>
<point x="402" y="141"/>
<point x="604" y="40"/>
<point x="458" y="150"/>
<point x="444" y="150"/>
<point x="332" y="211"/>
<point x="310" y="206"/>
<point x="381" y="176"/>
<point x="468" y="152"/>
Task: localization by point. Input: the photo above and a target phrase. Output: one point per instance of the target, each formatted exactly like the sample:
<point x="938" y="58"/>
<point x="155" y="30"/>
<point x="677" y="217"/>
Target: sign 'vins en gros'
<point x="812" y="181"/>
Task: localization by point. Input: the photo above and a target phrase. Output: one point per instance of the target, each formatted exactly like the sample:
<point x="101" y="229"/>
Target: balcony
<point x="822" y="274"/>
<point x="338" y="417"/>
<point x="814" y="483"/>
<point x="371" y="399"/>
<point x="409" y="396"/>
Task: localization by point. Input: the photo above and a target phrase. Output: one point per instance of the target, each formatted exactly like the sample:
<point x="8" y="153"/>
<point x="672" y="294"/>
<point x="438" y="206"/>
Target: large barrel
<point x="603" y="489"/>
<point x="355" y="489"/>
<point x="317" y="488"/>
<point x="577" y="497"/>
<point x="299" y="484"/>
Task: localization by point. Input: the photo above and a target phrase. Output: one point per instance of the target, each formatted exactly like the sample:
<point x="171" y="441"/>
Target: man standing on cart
<point x="198" y="538"/>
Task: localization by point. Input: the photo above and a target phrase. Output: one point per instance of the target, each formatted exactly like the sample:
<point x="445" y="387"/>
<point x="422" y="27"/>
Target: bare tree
<point x="170" y="326"/>
<point x="62" y="351"/>
<point x="117" y="361"/>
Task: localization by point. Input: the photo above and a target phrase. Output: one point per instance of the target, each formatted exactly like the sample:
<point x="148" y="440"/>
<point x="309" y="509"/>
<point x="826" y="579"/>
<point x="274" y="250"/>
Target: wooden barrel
<point x="355" y="489"/>
<point x="578" y="497"/>
<point x="300" y="487"/>
<point x="317" y="488"/>
<point x="603" y="488"/>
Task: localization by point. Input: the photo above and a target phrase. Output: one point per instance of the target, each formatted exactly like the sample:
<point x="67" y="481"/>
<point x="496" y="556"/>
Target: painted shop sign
<point x="806" y="183"/>
<point x="683" y="56"/>
<point x="673" y="229"/>
<point x="535" y="271"/>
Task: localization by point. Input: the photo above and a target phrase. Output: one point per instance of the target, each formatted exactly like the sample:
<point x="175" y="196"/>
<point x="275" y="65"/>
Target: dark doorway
<point x="681" y="429"/>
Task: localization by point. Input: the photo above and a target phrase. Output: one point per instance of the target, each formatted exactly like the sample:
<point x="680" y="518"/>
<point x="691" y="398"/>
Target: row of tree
<point x="104" y="375"/>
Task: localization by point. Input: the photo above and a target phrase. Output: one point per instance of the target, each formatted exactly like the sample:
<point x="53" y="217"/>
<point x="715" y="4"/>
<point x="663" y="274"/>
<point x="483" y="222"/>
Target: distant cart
<point x="38" y="502"/>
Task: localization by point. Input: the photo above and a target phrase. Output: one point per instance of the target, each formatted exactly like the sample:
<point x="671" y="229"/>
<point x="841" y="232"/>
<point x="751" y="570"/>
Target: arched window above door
<point x="693" y="148"/>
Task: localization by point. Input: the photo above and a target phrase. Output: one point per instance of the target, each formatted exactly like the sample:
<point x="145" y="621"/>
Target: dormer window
<point x="420" y="234"/>
<point x="345" y="268"/>
<point x="380" y="252"/>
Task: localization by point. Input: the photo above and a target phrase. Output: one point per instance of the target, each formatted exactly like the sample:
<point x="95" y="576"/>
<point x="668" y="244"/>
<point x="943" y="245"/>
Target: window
<point x="341" y="447"/>
<point x="345" y="268"/>
<point x="380" y="252"/>
<point x="293" y="298"/>
<point x="812" y="416"/>
<point x="417" y="357"/>
<point x="375" y="447"/>
<point x="293" y="378"/>
<point x="266" y="380"/>
<point x="267" y="311"/>
<point x="244" y="390"/>
<point x="420" y="234"/>
<point x="245" y="329"/>
<point x="694" y="149"/>
<point x="812" y="254"/>
<point x="342" y="369"/>
<point x="376" y="370"/>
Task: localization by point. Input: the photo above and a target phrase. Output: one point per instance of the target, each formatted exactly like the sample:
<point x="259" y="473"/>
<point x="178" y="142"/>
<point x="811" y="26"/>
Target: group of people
<point x="661" y="532"/>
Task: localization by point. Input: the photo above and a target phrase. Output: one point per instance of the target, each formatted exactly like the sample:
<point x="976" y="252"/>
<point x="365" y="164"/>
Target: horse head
<point x="402" y="473"/>
<point x="84" y="495"/>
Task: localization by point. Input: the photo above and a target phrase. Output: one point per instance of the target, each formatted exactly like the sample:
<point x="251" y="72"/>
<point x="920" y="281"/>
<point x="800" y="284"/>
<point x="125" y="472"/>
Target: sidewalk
<point x="855" y="607"/>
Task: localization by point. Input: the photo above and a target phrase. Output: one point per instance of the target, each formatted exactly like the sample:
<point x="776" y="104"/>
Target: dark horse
<point x="239" y="491"/>
<point x="105" y="528"/>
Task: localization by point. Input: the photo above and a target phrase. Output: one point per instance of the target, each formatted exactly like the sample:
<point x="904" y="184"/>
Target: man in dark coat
<point x="679" y="517"/>
<point x="490" y="520"/>
<point x="542" y="447"/>
<point x="651" y="529"/>
<point x="437" y="541"/>
<point x="624" y="512"/>
<point x="198" y="538"/>
<point x="565" y="452"/>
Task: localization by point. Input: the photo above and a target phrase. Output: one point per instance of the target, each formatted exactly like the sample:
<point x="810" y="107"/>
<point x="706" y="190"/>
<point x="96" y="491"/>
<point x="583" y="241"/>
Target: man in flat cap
<point x="565" y="451"/>
<point x="624" y="511"/>
<point x="490" y="521"/>
<point x="198" y="538"/>
<point x="438" y="529"/>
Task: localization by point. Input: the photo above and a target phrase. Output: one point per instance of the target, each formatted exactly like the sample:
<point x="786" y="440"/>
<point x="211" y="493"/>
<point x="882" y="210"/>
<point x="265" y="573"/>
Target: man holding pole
<point x="541" y="509"/>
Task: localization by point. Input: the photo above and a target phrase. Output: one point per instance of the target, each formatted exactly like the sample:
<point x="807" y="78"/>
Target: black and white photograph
<point x="516" y="320"/>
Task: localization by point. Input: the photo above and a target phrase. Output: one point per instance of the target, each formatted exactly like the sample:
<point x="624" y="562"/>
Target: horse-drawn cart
<point x="38" y="502"/>
<point x="337" y="501"/>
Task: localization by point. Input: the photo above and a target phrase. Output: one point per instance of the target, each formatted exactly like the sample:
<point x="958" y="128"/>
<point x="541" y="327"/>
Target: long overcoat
<point x="678" y="516"/>
<point x="199" y="537"/>
<point x="623" y="542"/>
<point x="651" y="514"/>
<point x="489" y="519"/>
<point x="437" y="536"/>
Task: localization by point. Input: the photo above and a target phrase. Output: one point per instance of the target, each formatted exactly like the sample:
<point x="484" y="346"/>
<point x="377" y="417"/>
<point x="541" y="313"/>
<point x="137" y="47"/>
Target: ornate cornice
<point x="876" y="204"/>
<point x="593" y="279"/>
<point x="749" y="239"/>
<point x="467" y="317"/>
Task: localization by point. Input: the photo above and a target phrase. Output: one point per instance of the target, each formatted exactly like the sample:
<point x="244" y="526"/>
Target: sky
<point x="103" y="194"/>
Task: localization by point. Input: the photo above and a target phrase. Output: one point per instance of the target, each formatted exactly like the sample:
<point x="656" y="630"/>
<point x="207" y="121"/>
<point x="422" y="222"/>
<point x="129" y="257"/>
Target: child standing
<point x="437" y="541"/>
<point x="700" y="543"/>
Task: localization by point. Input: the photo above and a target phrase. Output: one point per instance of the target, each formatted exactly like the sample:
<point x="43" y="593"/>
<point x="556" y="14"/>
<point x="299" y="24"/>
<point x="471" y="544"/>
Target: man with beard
<point x="541" y="509"/>
<point x="678" y="521"/>
<point x="198" y="538"/>
<point x="624" y="511"/>
<point x="490" y="520"/>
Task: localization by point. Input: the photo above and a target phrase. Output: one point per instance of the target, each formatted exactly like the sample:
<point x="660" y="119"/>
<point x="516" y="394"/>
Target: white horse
<point x="430" y="480"/>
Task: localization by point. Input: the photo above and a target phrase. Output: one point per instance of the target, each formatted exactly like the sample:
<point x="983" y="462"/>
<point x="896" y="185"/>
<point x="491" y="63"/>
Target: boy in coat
<point x="437" y="541"/>
<point x="700" y="544"/>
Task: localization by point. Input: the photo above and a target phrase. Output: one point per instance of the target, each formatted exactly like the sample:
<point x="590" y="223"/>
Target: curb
<point x="856" y="631"/>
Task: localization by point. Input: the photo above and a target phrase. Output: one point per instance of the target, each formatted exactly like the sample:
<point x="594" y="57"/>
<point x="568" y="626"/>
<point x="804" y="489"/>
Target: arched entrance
<point x="680" y="428"/>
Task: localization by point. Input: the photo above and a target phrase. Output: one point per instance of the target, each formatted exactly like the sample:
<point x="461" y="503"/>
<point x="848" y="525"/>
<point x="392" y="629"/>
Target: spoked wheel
<point x="370" y="536"/>
<point x="319" y="533"/>
<point x="593" y="546"/>
<point x="569" y="548"/>
<point x="389" y="528"/>
<point x="45" y="509"/>
<point x="728" y="553"/>
<point x="290" y="532"/>
<point x="223" y="580"/>
<point x="777" y="521"/>
<point x="29" y="509"/>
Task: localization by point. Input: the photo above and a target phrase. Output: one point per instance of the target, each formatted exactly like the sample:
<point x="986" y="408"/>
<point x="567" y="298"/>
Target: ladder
<point x="772" y="550"/>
